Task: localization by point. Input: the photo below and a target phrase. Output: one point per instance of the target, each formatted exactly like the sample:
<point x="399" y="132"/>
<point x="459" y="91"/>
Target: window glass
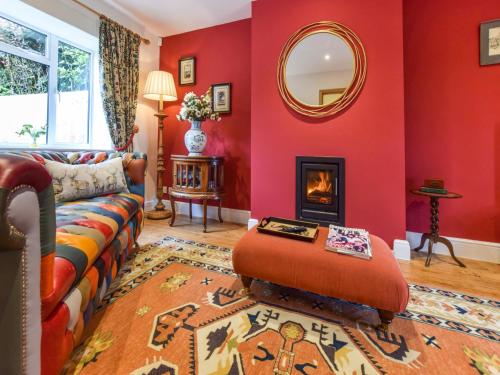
<point x="21" y="36"/>
<point x="73" y="85"/>
<point x="57" y="90"/>
<point x="23" y="97"/>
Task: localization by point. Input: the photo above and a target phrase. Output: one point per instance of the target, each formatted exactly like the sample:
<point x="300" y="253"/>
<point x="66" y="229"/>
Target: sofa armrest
<point x="27" y="243"/>
<point x="135" y="165"/>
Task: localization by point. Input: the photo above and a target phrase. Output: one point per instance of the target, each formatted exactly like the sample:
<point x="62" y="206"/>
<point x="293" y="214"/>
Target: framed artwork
<point x="187" y="71"/>
<point x="221" y="97"/>
<point x="489" y="42"/>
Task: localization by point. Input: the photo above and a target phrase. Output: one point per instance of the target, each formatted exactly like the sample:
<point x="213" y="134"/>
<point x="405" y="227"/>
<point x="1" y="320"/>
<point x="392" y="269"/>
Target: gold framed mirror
<point x="321" y="69"/>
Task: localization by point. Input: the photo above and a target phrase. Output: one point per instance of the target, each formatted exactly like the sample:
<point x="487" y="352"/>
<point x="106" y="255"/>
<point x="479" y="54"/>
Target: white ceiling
<point x="170" y="17"/>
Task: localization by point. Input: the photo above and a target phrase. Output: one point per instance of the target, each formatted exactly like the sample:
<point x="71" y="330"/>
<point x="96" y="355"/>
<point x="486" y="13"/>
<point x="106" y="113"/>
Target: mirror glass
<point x="319" y="69"/>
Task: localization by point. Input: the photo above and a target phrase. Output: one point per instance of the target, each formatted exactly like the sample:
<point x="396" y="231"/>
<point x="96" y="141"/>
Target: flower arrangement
<point x="197" y="108"/>
<point x="32" y="132"/>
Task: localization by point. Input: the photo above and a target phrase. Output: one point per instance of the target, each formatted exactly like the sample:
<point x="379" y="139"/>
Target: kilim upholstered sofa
<point x="56" y="261"/>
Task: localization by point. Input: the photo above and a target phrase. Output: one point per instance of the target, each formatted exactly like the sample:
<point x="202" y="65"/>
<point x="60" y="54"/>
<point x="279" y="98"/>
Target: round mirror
<point x="319" y="69"/>
<point x="322" y="69"/>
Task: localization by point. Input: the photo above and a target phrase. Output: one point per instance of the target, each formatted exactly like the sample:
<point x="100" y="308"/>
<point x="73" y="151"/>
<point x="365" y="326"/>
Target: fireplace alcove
<point x="320" y="187"/>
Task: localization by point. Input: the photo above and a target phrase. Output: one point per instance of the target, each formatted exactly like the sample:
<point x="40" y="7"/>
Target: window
<point x="49" y="81"/>
<point x="23" y="37"/>
<point x="73" y="94"/>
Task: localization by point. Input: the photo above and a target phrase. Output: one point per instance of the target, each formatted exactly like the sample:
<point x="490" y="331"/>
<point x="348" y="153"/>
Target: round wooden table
<point x="434" y="236"/>
<point x="199" y="178"/>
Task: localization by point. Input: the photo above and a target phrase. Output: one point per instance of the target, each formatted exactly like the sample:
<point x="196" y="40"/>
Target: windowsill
<point x="52" y="148"/>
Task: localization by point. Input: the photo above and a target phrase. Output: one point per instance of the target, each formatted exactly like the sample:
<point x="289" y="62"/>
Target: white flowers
<point x="196" y="108"/>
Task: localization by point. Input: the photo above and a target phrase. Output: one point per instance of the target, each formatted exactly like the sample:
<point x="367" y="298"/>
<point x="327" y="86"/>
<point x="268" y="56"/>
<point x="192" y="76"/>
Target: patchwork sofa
<point x="57" y="261"/>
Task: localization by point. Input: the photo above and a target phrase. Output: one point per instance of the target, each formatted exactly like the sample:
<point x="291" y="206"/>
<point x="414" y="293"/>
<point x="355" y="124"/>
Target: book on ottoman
<point x="349" y="241"/>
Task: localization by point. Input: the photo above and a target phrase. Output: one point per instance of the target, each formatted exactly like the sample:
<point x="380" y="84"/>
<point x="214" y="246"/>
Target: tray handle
<point x="264" y="222"/>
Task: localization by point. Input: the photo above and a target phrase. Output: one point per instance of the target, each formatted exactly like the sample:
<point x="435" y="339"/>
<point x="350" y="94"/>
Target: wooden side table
<point x="434" y="236"/>
<point x="197" y="177"/>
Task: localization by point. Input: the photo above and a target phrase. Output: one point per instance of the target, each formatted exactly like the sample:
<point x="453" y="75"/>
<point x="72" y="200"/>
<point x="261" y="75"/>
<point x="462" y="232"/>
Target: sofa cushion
<point x="85" y="228"/>
<point x="134" y="164"/>
<point x="86" y="180"/>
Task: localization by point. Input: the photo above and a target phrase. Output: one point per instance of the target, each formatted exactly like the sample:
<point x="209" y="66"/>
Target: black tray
<point x="272" y="225"/>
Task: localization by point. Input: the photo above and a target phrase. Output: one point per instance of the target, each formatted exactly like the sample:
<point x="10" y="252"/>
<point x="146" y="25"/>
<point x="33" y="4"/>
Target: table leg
<point x="172" y="206"/>
<point x="448" y="244"/>
<point x="434" y="235"/>
<point x="220" y="211"/>
<point x="190" y="209"/>
<point x="205" y="203"/>
<point x="429" y="253"/>
<point x="434" y="218"/>
<point x="425" y="237"/>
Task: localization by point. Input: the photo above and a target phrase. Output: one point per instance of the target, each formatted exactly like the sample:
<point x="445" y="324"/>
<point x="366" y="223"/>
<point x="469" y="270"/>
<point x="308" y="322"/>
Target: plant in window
<point x="32" y="132"/>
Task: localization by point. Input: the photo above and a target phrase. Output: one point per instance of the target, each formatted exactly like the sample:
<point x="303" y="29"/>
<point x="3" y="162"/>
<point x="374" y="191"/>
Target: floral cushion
<point x="78" y="181"/>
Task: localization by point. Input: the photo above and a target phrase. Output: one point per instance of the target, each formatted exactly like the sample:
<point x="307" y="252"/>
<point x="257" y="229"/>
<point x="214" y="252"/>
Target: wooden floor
<point x="479" y="278"/>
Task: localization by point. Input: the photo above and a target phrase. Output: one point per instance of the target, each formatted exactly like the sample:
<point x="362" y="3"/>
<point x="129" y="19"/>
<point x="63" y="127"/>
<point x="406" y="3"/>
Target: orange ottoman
<point x="377" y="282"/>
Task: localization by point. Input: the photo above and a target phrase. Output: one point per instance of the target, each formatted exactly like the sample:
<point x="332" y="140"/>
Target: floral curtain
<point x="119" y="65"/>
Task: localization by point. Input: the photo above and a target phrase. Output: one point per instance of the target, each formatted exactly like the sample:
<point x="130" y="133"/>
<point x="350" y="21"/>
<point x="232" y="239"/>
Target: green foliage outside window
<point x="21" y="36"/>
<point x="20" y="76"/>
<point x="73" y="68"/>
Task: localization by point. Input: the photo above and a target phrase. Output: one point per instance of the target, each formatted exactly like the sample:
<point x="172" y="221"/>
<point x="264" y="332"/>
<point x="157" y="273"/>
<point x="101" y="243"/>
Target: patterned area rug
<point x="178" y="308"/>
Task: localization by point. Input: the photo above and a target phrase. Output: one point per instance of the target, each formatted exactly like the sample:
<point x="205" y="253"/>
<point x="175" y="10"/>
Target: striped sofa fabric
<point x="74" y="248"/>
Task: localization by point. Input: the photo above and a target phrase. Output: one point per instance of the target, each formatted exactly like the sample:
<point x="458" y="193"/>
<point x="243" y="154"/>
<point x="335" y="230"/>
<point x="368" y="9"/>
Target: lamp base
<point x="158" y="214"/>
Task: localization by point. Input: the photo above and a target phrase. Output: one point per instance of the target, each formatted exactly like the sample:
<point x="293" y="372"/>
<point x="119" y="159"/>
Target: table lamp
<point x="160" y="86"/>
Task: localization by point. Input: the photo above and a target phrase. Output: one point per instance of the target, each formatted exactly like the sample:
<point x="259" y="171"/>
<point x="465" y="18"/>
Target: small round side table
<point x="434" y="236"/>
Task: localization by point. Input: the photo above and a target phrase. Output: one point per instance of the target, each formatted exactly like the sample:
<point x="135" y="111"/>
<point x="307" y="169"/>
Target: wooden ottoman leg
<point x="385" y="317"/>
<point x="247" y="282"/>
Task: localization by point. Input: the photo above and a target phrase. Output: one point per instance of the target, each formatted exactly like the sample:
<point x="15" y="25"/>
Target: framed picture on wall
<point x="187" y="71"/>
<point x="221" y="97"/>
<point x="489" y="42"/>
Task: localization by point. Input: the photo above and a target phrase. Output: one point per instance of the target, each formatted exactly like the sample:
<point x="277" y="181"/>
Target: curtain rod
<point x="144" y="40"/>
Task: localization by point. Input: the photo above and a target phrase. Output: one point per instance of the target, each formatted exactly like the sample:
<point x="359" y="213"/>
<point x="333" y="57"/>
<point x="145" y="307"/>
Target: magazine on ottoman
<point x="349" y="241"/>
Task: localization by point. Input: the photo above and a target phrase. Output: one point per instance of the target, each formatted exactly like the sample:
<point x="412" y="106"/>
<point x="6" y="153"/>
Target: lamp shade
<point x="160" y="85"/>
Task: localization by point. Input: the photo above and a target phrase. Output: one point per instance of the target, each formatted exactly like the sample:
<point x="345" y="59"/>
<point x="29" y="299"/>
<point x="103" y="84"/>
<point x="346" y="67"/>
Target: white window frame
<point x="51" y="60"/>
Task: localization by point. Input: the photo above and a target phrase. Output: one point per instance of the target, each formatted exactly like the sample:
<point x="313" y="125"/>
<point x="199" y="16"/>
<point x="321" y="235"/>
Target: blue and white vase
<point x="195" y="139"/>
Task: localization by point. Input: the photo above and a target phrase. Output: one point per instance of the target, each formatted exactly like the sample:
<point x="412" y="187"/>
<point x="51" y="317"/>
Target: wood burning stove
<point x="320" y="190"/>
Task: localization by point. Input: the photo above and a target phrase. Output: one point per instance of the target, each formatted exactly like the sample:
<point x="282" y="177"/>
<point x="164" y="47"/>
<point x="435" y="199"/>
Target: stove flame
<point x="319" y="187"/>
<point x="320" y="184"/>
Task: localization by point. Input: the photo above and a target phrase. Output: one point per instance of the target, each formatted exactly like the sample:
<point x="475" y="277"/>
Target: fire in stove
<point x="319" y="187"/>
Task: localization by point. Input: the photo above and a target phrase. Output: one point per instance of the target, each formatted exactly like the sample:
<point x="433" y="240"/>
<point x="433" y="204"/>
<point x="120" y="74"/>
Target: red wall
<point x="222" y="55"/>
<point x="452" y="115"/>
<point x="370" y="135"/>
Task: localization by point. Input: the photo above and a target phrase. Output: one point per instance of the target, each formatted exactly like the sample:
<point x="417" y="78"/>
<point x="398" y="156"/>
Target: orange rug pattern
<point x="177" y="308"/>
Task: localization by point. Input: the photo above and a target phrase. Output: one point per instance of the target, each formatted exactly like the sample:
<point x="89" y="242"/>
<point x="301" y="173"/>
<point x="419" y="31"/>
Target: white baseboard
<point x="463" y="248"/>
<point x="231" y="215"/>
<point x="401" y="249"/>
<point x="252" y="222"/>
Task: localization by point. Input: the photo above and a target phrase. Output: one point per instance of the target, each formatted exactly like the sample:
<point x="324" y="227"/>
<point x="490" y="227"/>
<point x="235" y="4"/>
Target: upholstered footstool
<point x="377" y="282"/>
